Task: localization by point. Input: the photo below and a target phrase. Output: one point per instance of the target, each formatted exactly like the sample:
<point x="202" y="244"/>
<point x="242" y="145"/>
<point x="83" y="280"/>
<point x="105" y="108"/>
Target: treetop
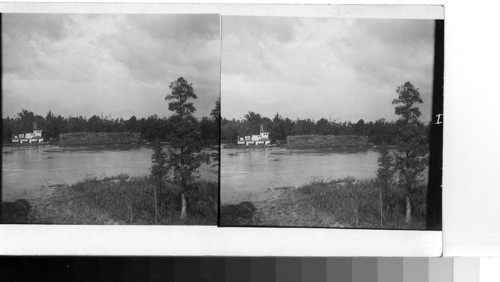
<point x="182" y="90"/>
<point x="408" y="95"/>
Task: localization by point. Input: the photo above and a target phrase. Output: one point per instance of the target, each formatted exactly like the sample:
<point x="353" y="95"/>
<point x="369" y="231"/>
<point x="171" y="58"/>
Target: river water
<point x="248" y="170"/>
<point x="28" y="171"/>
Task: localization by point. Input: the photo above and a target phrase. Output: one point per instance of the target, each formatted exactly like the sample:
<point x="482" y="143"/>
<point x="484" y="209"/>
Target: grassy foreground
<point x="352" y="204"/>
<point x="115" y="201"/>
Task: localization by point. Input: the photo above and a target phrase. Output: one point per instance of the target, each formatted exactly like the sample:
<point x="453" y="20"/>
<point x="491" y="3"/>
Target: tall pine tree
<point x="184" y="153"/>
<point x="411" y="144"/>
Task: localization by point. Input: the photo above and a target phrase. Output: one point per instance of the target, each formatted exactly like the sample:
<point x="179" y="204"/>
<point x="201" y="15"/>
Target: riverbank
<point x="114" y="200"/>
<point x="239" y="146"/>
<point x="26" y="144"/>
<point x="340" y="204"/>
<point x="110" y="145"/>
<point x="285" y="146"/>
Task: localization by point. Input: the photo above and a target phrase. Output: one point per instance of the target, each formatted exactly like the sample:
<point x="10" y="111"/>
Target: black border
<point x="1" y="108"/>
<point x="220" y="117"/>
<point x="434" y="190"/>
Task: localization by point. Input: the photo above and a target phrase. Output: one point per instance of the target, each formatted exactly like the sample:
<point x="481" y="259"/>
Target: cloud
<point x="21" y="33"/>
<point x="395" y="46"/>
<point x="152" y="45"/>
<point x="266" y="36"/>
<point x="52" y="26"/>
<point x="185" y="28"/>
<point x="345" y="69"/>
<point x="118" y="65"/>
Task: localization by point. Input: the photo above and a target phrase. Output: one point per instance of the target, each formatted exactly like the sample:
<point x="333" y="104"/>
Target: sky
<point x="338" y="69"/>
<point x="110" y="65"/>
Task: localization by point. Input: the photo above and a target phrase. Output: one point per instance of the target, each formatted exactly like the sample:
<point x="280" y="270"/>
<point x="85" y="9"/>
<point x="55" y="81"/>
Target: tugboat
<point x="261" y="139"/>
<point x="30" y="137"/>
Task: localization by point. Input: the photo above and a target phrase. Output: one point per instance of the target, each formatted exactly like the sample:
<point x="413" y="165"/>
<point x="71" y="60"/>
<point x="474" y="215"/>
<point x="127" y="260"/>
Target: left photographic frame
<point x="110" y="118"/>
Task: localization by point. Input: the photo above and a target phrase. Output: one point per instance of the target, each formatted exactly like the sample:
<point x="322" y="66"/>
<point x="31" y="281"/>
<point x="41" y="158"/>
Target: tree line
<point x="378" y="132"/>
<point x="151" y="128"/>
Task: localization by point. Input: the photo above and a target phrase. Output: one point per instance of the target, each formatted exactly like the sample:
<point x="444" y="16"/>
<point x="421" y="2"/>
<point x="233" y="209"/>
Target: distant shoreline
<point x="69" y="145"/>
<point x="142" y="143"/>
<point x="230" y="146"/>
<point x="236" y="146"/>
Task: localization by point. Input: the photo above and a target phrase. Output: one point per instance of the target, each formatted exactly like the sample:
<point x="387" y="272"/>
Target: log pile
<point x="99" y="138"/>
<point x="326" y="141"/>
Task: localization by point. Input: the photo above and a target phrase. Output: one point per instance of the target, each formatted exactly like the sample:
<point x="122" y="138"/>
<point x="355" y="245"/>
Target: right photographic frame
<point x="331" y="122"/>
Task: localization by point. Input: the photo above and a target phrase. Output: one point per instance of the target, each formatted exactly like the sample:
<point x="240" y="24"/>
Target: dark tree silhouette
<point x="411" y="143"/>
<point x="184" y="153"/>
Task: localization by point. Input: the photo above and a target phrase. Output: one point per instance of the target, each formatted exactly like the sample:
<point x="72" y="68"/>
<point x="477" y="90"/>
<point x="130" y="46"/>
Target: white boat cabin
<point x="30" y="137"/>
<point x="261" y="139"/>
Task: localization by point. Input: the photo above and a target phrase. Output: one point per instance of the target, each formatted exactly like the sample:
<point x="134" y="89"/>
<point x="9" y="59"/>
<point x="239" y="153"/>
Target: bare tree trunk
<point x="131" y="212"/>
<point x="381" y="208"/>
<point x="184" y="206"/>
<point x="183" y="188"/>
<point x="156" y="205"/>
<point x="408" y="210"/>
<point x="356" y="216"/>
